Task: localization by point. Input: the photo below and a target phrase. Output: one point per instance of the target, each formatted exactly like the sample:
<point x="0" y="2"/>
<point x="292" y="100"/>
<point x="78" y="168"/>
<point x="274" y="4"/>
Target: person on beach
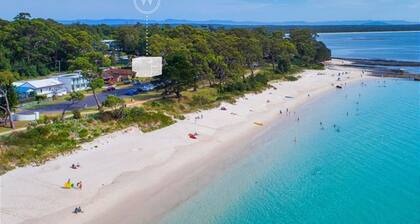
<point x="78" y="210"/>
<point x="281" y="112"/>
<point x="79" y="185"/>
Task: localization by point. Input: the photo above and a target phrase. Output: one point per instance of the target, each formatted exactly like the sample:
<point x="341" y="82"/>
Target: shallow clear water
<point x="400" y="46"/>
<point x="368" y="172"/>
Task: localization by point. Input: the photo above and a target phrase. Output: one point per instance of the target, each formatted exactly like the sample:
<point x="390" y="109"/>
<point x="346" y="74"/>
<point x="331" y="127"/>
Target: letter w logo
<point x="147" y="6"/>
<point x="150" y="2"/>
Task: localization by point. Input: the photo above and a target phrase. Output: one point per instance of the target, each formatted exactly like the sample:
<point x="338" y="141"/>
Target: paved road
<point x="89" y="101"/>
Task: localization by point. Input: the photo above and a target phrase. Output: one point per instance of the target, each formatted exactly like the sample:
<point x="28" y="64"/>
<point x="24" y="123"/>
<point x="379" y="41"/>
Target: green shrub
<point x="77" y="114"/>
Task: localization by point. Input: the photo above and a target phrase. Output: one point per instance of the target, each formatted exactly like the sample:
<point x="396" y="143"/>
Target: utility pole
<point x="59" y="65"/>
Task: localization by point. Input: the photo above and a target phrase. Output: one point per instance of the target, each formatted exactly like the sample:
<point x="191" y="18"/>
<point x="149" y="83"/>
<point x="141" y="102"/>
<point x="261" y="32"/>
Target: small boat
<point x="339" y="87"/>
<point x="258" y="123"/>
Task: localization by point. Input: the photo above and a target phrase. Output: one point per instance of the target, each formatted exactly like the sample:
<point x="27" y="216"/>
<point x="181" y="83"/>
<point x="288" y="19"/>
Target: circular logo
<point x="146" y="7"/>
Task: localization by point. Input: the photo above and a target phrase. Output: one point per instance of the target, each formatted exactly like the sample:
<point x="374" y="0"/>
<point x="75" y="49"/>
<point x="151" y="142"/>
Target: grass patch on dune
<point x="50" y="138"/>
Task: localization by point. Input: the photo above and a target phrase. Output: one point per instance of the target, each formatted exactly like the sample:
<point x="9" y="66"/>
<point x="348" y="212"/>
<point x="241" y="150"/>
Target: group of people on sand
<point x="70" y="185"/>
<point x="288" y="113"/>
<point x="75" y="166"/>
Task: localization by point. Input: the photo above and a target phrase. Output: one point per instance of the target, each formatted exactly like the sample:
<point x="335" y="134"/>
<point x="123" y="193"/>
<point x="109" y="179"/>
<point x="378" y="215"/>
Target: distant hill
<point x="116" y="22"/>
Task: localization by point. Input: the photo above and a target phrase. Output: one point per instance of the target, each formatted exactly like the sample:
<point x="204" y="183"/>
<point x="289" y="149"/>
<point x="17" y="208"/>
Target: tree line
<point x="193" y="56"/>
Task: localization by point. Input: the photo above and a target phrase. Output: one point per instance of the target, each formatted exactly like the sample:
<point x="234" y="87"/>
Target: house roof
<point x="70" y="75"/>
<point x="119" y="72"/>
<point x="38" y="84"/>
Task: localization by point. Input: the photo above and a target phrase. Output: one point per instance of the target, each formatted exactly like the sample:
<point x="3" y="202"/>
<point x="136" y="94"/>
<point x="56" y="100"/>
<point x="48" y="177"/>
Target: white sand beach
<point x="131" y="177"/>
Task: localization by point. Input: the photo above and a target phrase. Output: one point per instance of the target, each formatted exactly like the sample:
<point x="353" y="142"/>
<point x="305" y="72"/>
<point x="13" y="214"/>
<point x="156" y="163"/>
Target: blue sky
<point x="238" y="10"/>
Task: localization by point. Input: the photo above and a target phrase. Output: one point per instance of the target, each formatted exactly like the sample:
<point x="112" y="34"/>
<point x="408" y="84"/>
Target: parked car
<point x="132" y="92"/>
<point x="110" y="89"/>
<point x="127" y="81"/>
<point x="145" y="87"/>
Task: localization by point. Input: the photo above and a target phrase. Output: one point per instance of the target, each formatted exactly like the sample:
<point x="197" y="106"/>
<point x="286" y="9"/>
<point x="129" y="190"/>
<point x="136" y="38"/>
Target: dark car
<point x="110" y="89"/>
<point x="132" y="92"/>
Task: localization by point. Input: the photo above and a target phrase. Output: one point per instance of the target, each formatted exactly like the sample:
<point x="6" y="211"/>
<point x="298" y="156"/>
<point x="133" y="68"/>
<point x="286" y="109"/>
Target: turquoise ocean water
<point x="365" y="170"/>
<point x="399" y="46"/>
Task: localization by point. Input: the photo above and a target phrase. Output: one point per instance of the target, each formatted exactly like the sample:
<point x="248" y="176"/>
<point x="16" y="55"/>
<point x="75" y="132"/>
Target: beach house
<point x="55" y="86"/>
<point x="112" y="76"/>
<point x="46" y="87"/>
<point x="73" y="82"/>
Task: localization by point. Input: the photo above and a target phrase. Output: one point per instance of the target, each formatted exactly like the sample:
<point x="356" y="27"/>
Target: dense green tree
<point x="305" y="42"/>
<point x="34" y="47"/>
<point x="178" y="74"/>
<point x="4" y="60"/>
<point x="252" y="52"/>
<point x="199" y="50"/>
<point x="23" y="16"/>
<point x="219" y="68"/>
<point x="322" y="52"/>
<point x="285" y="51"/>
<point x="129" y="39"/>
<point x="82" y="63"/>
<point x="116" y="104"/>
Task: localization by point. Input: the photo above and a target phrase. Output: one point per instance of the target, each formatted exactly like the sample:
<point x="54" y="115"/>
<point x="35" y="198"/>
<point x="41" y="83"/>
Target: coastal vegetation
<point x="202" y="67"/>
<point x="37" y="47"/>
<point x="50" y="137"/>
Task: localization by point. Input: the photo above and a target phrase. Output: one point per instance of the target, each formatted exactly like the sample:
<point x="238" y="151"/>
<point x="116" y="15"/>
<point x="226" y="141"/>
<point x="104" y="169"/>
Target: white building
<point x="73" y="82"/>
<point x="55" y="86"/>
<point x="147" y="67"/>
<point x="47" y="87"/>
